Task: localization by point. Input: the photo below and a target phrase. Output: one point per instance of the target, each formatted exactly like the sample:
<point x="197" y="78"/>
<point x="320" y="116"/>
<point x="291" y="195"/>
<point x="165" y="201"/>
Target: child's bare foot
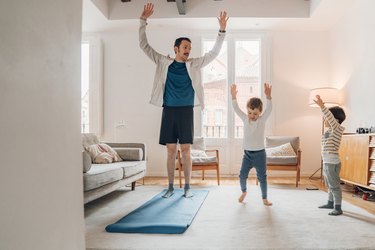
<point x="242" y="197"/>
<point x="266" y="202"/>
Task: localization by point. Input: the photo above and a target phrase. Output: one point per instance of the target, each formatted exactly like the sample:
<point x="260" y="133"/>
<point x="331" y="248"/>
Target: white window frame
<point x="96" y="102"/>
<point x="265" y="75"/>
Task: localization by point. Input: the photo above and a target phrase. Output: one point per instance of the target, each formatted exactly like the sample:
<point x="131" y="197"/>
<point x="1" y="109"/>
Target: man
<point x="177" y="87"/>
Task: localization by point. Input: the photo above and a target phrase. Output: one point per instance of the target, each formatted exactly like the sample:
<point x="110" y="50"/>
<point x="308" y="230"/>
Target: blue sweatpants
<point x="256" y="159"/>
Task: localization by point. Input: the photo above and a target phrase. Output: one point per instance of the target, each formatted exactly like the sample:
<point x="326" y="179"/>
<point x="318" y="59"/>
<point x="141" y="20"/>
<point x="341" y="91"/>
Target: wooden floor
<point x="348" y="193"/>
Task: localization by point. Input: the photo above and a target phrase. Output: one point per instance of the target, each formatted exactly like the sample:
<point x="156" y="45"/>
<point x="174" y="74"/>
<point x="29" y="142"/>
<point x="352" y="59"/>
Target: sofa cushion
<point x="133" y="167"/>
<point x="130" y="154"/>
<point x="102" y="153"/>
<point x="102" y="174"/>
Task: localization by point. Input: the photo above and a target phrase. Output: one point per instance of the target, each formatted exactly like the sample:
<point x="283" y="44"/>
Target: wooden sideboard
<point x="357" y="154"/>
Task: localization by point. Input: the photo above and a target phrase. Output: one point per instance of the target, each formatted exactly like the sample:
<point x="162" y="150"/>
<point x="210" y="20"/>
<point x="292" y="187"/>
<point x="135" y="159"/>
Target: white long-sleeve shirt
<point x="253" y="139"/>
<point x="162" y="62"/>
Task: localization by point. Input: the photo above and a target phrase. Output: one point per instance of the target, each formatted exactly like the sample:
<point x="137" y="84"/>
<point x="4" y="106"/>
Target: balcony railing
<point x="220" y="131"/>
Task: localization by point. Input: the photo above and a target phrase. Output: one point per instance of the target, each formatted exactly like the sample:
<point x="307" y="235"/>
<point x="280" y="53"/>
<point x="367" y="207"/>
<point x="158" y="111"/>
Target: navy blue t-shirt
<point x="178" y="88"/>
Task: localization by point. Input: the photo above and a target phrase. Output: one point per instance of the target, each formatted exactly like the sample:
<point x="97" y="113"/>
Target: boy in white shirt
<point x="253" y="140"/>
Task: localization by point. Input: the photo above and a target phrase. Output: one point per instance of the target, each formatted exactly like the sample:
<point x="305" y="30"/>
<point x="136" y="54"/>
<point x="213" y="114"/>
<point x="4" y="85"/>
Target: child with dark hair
<point x="331" y="139"/>
<point x="253" y="140"/>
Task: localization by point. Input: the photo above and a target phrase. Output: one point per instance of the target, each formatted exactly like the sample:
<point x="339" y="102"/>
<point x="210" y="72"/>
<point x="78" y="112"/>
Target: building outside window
<point x="238" y="62"/>
<point x="91" y="85"/>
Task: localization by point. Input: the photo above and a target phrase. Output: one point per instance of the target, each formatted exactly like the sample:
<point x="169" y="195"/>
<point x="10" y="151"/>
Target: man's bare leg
<point x="186" y="156"/>
<point x="171" y="161"/>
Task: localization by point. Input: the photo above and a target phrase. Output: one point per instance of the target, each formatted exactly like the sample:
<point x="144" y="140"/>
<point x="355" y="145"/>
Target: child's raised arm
<point x="233" y="91"/>
<point x="267" y="90"/>
<point x="319" y="101"/>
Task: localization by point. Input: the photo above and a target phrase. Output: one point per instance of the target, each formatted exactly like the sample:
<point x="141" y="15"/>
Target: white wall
<point x="353" y="60"/>
<point x="300" y="62"/>
<point x="41" y="185"/>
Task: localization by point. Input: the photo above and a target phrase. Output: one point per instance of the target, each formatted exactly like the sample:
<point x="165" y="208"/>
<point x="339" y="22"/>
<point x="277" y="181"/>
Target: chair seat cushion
<point x="282" y="160"/>
<point x="207" y="160"/>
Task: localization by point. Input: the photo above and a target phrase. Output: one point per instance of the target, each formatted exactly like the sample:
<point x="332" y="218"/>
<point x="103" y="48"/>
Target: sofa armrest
<point x="86" y="161"/>
<point x="129" y="145"/>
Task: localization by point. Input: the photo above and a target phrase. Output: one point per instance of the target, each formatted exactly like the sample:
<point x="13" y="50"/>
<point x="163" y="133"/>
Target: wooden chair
<point x="202" y="159"/>
<point x="278" y="157"/>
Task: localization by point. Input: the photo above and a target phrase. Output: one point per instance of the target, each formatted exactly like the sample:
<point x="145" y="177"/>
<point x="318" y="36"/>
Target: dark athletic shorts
<point x="177" y="125"/>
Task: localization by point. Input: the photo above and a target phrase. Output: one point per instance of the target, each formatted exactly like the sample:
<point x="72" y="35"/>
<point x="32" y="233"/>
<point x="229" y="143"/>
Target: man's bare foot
<point x="242" y="197"/>
<point x="266" y="202"/>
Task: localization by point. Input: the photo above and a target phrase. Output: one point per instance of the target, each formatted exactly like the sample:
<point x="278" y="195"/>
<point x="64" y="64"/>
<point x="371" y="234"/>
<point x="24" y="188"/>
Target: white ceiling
<point x="200" y="14"/>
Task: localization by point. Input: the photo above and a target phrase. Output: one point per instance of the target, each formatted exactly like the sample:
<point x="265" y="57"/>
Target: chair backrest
<point x="198" y="144"/>
<point x="274" y="141"/>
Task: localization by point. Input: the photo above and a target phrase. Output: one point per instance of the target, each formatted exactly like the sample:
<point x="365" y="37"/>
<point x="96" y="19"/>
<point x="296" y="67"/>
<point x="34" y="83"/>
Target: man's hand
<point x="148" y="10"/>
<point x="319" y="101"/>
<point x="233" y="91"/>
<point x="267" y="90"/>
<point x="223" y="20"/>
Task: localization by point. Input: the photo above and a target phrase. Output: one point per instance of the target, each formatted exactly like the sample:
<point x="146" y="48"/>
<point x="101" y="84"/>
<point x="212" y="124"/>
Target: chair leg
<point x="298" y="177"/>
<point x="202" y="174"/>
<point x="218" y="177"/>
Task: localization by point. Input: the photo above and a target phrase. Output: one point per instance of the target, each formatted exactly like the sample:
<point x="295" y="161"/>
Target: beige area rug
<point x="293" y="222"/>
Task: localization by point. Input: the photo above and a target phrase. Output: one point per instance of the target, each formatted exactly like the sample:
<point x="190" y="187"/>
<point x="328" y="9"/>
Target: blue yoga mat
<point x="160" y="215"/>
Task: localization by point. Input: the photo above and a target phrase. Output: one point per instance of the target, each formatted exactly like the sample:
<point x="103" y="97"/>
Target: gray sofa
<point x="101" y="179"/>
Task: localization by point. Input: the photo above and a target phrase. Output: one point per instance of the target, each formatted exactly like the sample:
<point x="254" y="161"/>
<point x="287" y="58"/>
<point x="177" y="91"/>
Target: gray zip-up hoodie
<point x="162" y="62"/>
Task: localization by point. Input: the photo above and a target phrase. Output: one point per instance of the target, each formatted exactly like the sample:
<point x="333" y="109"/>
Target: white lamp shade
<point x="330" y="96"/>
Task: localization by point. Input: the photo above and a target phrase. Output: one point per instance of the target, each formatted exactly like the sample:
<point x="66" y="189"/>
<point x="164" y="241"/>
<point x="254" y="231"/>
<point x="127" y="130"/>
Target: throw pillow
<point x="198" y="144"/>
<point x="197" y="153"/>
<point x="102" y="153"/>
<point x="103" y="158"/>
<point x="282" y="150"/>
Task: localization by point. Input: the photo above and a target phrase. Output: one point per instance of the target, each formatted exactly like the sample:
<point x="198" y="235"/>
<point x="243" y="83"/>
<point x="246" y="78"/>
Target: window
<point x="214" y="79"/>
<point x="247" y="77"/>
<point x="85" y="73"/>
<point x="91" y="85"/>
<point x="240" y="62"/>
